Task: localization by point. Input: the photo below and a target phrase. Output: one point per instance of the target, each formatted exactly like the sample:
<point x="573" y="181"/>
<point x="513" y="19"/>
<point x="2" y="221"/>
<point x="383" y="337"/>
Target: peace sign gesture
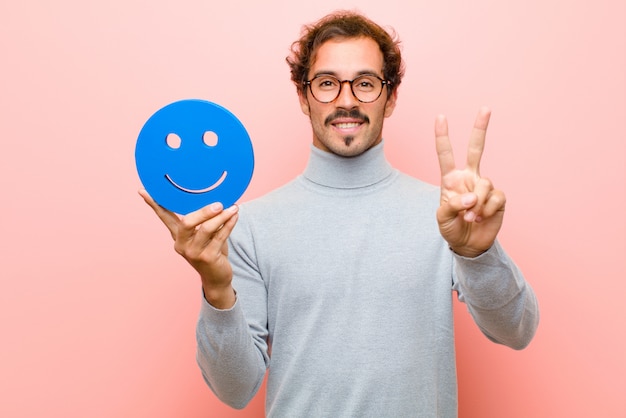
<point x="471" y="210"/>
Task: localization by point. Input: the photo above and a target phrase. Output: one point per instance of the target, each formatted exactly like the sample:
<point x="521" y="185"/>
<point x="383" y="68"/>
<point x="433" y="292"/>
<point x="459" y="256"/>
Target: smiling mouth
<point x="198" y="191"/>
<point x="348" y="125"/>
<point x="344" y="119"/>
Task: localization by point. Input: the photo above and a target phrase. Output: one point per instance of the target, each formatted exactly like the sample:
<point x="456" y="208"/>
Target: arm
<point x="231" y="363"/>
<point x="233" y="351"/>
<point x="470" y="216"/>
<point x="501" y="302"/>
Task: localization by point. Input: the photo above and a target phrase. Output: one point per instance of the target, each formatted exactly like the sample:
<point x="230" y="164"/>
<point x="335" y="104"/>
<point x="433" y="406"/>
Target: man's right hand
<point x="200" y="237"/>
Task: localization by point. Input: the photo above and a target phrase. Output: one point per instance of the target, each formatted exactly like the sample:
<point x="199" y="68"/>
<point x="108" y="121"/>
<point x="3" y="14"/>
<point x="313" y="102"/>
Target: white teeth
<point x="347" y="125"/>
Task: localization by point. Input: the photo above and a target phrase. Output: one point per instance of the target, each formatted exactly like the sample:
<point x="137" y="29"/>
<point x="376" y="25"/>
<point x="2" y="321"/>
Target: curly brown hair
<point x="344" y="24"/>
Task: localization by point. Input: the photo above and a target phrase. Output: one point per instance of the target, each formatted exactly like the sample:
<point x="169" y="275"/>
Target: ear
<point x="304" y="103"/>
<point x="390" y="105"/>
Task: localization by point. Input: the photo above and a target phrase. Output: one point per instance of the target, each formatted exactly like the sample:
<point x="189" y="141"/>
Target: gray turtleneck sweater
<point x="344" y="293"/>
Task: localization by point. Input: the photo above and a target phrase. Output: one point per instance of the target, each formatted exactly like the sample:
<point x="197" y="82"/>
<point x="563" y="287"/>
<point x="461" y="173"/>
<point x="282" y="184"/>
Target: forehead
<point x="348" y="57"/>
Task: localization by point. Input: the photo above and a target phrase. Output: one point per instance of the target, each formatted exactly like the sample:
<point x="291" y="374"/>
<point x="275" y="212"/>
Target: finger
<point x="456" y="204"/>
<point x="219" y="238"/>
<point x="477" y="139"/>
<point x="482" y="190"/>
<point x="170" y="219"/>
<point x="191" y="221"/>
<point x="216" y="229"/>
<point x="208" y="243"/>
<point x="494" y="204"/>
<point x="443" y="146"/>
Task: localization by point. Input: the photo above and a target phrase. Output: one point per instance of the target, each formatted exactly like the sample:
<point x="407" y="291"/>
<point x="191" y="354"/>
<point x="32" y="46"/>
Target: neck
<point x="331" y="170"/>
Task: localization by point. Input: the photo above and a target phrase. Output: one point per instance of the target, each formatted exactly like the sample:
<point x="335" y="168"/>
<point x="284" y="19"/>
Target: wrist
<point x="220" y="298"/>
<point x="468" y="252"/>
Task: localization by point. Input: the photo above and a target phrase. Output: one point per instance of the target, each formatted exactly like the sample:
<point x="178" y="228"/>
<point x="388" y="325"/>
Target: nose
<point x="346" y="99"/>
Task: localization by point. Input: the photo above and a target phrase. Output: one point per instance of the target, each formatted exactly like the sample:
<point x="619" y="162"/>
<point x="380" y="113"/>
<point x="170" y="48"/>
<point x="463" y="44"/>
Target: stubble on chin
<point x="342" y="113"/>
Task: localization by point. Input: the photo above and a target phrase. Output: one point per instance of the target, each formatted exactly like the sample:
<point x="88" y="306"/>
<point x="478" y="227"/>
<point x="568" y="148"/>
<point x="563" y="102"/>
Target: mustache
<point x="341" y="113"/>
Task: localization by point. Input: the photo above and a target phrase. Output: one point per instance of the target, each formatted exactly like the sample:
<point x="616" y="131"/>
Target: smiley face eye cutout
<point x="209" y="138"/>
<point x="173" y="141"/>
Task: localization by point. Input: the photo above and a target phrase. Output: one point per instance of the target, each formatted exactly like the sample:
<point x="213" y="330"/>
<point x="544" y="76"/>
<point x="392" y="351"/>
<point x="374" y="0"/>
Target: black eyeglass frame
<point x="341" y="83"/>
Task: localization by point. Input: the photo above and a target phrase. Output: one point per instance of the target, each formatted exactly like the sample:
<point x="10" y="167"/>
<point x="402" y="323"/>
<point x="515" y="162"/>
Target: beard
<point x="350" y="144"/>
<point x="352" y="114"/>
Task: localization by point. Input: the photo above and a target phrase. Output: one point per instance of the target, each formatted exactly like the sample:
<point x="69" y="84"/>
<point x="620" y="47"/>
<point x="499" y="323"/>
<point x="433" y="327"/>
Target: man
<point x="340" y="282"/>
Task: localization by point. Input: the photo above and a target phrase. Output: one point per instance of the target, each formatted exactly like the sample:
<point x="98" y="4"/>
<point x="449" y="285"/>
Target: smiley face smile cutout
<point x="208" y="189"/>
<point x="192" y="153"/>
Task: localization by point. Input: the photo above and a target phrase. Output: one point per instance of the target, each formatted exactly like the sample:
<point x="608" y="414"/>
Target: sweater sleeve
<point x="232" y="345"/>
<point x="501" y="302"/>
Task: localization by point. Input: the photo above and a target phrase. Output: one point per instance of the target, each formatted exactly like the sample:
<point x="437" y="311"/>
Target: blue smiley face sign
<point x="192" y="153"/>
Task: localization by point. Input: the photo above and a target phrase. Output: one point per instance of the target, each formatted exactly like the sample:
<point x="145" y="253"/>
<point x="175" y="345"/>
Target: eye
<point x="327" y="83"/>
<point x="366" y="83"/>
<point x="173" y="141"/>
<point x="209" y="138"/>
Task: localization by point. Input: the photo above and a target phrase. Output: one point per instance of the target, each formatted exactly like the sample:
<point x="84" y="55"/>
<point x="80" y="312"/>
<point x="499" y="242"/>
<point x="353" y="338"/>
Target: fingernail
<point x="467" y="199"/>
<point x="233" y="208"/>
<point x="216" y="207"/>
<point x="469" y="216"/>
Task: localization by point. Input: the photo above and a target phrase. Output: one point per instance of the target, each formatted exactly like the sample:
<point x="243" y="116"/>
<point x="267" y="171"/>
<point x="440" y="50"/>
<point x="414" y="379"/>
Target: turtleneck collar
<point x="331" y="170"/>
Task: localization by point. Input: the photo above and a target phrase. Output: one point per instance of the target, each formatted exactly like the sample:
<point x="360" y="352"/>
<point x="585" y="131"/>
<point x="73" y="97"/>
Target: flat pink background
<point x="98" y="312"/>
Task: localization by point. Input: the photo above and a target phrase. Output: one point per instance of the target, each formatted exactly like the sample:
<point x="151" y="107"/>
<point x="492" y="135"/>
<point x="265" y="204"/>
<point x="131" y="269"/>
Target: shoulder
<point x="274" y="198"/>
<point x="418" y="185"/>
<point x="410" y="191"/>
<point x="272" y="207"/>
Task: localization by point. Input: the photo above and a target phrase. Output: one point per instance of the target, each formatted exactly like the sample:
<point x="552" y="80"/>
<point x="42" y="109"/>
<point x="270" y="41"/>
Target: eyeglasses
<point x="366" y="88"/>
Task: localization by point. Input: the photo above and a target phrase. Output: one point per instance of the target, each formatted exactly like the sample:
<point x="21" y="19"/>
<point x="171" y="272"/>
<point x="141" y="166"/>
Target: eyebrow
<point x="358" y="74"/>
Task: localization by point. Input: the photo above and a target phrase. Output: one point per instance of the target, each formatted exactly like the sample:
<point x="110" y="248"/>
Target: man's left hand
<point x="471" y="210"/>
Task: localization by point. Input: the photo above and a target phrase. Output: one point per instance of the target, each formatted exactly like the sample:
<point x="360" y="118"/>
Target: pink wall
<point x="98" y="312"/>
